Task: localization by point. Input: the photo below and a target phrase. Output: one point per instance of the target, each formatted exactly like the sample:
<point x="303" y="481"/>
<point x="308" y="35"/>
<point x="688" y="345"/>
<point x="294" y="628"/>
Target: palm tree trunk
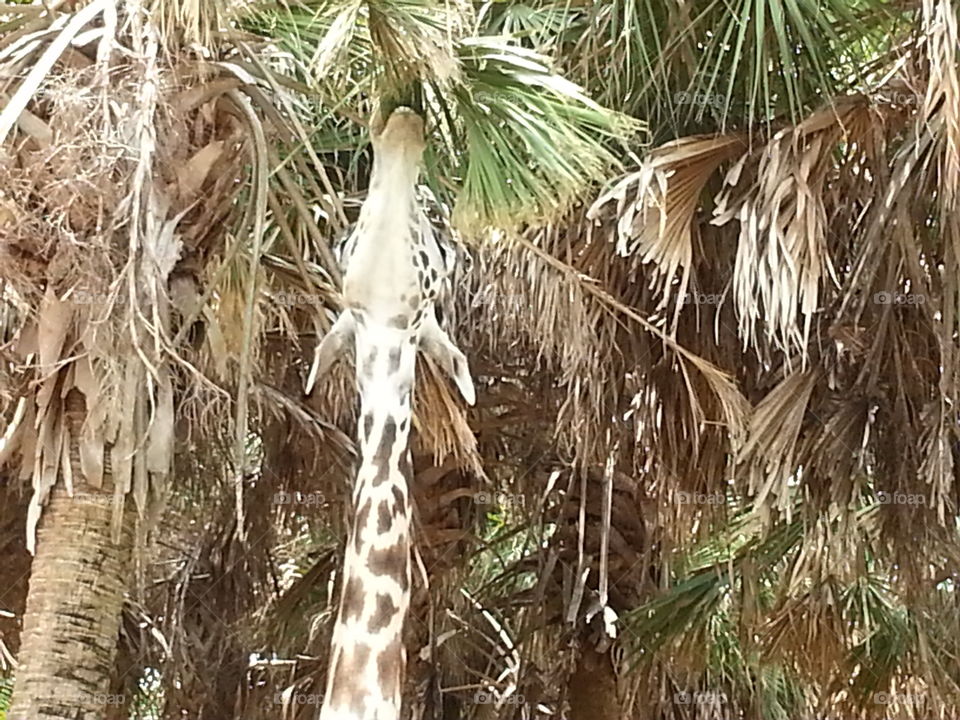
<point x="71" y="625"/>
<point x="592" y="689"/>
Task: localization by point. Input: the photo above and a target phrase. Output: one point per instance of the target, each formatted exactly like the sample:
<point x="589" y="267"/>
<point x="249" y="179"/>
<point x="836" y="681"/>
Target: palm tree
<point x="712" y="401"/>
<point x="107" y="155"/>
<point x="131" y="261"/>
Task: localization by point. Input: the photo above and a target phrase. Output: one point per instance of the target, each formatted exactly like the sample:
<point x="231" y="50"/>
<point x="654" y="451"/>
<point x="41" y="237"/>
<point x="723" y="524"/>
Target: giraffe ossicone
<point x="393" y="273"/>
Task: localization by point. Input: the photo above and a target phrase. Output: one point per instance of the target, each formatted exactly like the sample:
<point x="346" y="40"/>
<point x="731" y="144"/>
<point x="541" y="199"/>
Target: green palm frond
<point x="781" y="693"/>
<point x="733" y="587"/>
<point x="538" y="25"/>
<point x="886" y="631"/>
<point x="6" y="692"/>
<point x="686" y="66"/>
<point x="514" y="138"/>
<point x="533" y="139"/>
<point x="713" y="571"/>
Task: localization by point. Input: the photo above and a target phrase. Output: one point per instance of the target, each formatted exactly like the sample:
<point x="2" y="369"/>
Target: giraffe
<point x="394" y="269"/>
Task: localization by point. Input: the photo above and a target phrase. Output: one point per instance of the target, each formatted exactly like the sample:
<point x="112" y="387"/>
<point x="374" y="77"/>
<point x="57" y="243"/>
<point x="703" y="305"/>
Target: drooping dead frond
<point x="442" y="424"/>
<point x="656" y="224"/>
<point x="942" y="96"/>
<point x="782" y="257"/>
<point x="769" y="452"/>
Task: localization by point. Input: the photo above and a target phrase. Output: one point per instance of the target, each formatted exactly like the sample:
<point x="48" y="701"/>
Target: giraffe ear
<point x="435" y="342"/>
<point x="331" y="347"/>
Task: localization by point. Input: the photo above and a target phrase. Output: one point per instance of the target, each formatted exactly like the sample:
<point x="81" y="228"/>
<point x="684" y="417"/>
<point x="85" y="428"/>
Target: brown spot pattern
<point x="389" y="668"/>
<point x="390" y="562"/>
<point x="381" y="458"/>
<point x="401" y="502"/>
<point x="352" y="599"/>
<point x="348" y="691"/>
<point x="384" y="517"/>
<point x="383" y="614"/>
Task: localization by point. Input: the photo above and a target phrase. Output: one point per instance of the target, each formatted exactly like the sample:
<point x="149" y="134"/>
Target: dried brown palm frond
<point x="852" y="422"/>
<point x="775" y="427"/>
<point x="656" y="225"/>
<point x="797" y="182"/>
<point x="779" y="202"/>
<point x="943" y="88"/>
<point x="578" y="329"/>
<point x="442" y="424"/>
<point x="100" y="325"/>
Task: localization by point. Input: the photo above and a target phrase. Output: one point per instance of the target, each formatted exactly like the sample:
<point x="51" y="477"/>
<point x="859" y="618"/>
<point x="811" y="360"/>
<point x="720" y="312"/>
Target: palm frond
<point x="514" y="140"/>
<point x="533" y="139"/>
<point x="729" y="65"/>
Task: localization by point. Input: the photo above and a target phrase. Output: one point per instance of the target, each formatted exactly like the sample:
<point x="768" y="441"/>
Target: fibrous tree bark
<point x="70" y="629"/>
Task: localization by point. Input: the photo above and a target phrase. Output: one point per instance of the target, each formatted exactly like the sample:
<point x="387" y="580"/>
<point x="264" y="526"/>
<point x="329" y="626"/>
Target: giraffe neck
<point x="381" y="273"/>
<point x="368" y="656"/>
<point x="391" y="281"/>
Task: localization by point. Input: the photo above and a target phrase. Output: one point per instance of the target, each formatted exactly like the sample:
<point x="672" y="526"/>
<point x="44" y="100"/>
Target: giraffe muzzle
<point x="403" y="131"/>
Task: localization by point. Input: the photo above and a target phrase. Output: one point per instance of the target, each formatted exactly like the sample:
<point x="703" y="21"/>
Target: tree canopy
<point x="708" y="288"/>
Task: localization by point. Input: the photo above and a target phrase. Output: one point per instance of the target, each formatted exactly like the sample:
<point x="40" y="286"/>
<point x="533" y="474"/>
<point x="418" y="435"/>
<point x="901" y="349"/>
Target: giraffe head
<point x="398" y="143"/>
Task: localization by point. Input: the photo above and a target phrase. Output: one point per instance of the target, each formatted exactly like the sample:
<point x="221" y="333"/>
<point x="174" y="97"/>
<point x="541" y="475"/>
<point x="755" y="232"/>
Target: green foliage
<point x="692" y="66"/>
<point x="508" y="538"/>
<point x="532" y="138"/>
<point x="514" y="140"/>
<point x="6" y="694"/>
<point x="745" y="572"/>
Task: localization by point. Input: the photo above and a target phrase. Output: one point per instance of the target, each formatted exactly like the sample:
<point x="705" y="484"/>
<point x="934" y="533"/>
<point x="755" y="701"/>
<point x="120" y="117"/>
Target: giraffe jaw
<point x="401" y="136"/>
